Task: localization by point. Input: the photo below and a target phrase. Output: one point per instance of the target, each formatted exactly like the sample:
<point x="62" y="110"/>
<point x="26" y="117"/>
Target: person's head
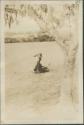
<point x="41" y="54"/>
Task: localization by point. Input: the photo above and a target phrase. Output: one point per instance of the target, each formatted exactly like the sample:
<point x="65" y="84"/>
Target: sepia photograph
<point x="41" y="61"/>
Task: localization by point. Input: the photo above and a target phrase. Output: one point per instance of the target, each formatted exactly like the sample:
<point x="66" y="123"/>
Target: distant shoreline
<point x="29" y="39"/>
<point x="30" y="42"/>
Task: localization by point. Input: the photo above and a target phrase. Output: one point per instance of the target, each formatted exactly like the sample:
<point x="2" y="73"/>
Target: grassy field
<point x="30" y="97"/>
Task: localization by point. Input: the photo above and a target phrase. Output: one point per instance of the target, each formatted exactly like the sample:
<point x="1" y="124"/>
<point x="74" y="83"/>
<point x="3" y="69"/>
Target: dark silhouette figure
<point x="39" y="68"/>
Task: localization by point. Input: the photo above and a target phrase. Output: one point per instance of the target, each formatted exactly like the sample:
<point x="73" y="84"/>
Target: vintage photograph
<point x="41" y="64"/>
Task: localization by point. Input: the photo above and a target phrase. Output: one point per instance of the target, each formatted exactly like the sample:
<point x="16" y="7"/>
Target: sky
<point x="26" y="24"/>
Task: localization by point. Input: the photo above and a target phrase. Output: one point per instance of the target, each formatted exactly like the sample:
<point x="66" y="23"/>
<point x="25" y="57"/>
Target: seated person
<point x="39" y="68"/>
